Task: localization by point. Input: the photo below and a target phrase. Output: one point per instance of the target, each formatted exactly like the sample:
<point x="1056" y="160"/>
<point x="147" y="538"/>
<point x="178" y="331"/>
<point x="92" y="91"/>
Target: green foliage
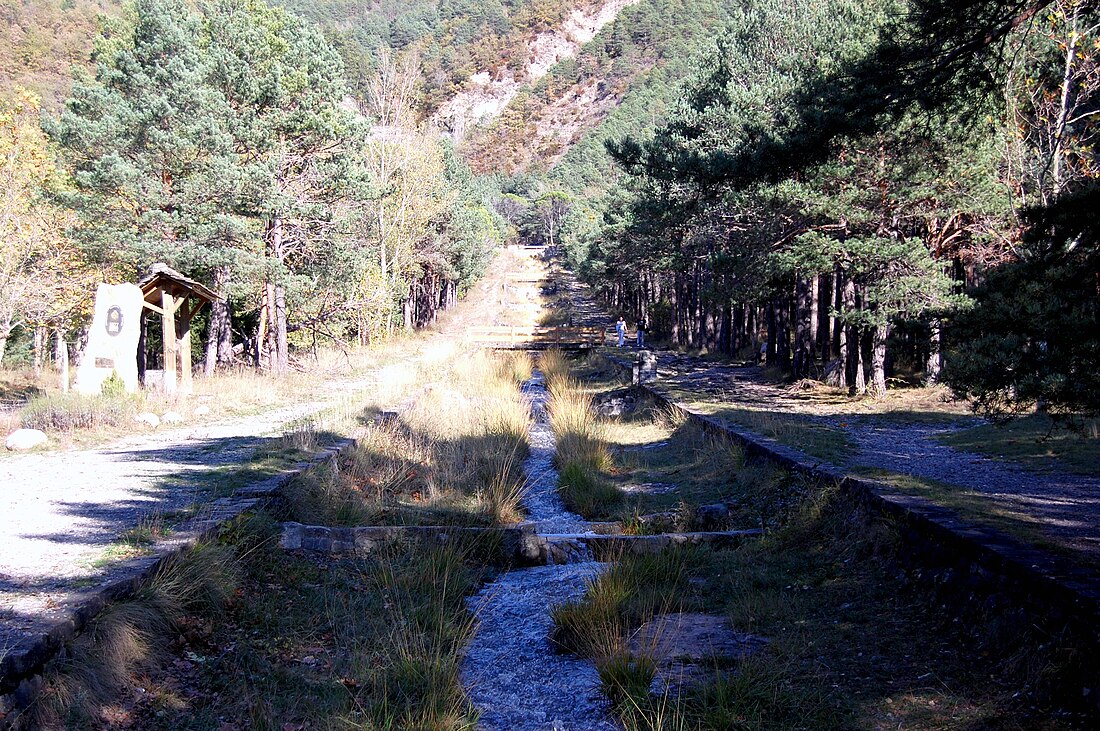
<point x="1034" y="333"/>
<point x="113" y="386"/>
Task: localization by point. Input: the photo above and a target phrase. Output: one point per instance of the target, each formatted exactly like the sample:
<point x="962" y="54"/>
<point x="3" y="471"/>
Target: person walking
<point x="620" y="330"/>
<point x="642" y="327"/>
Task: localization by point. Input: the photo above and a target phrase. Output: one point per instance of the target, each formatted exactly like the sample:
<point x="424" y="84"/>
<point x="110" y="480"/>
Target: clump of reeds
<point x="130" y="635"/>
<point x="453" y="455"/>
<point x="603" y="626"/>
<point x="418" y="685"/>
<point x="581" y="454"/>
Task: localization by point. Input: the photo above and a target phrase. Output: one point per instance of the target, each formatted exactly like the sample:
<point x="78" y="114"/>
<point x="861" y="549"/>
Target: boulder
<point x="711" y="517"/>
<point x="201" y="410"/>
<point x="23" y="439"/>
<point x="170" y="417"/>
<point x="148" y="418"/>
<point x="615" y="403"/>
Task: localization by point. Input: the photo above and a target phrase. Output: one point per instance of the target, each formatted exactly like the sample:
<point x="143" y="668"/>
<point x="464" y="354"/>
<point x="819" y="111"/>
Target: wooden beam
<point x="153" y="307"/>
<point x="168" y="332"/>
<point x="185" y="351"/>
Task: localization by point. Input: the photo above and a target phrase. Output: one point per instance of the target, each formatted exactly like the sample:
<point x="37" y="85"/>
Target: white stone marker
<point x="113" y="339"/>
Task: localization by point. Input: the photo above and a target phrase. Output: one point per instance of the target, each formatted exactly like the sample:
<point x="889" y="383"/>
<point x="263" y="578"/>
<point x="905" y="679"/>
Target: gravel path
<point x="62" y="510"/>
<point x="1064" y="506"/>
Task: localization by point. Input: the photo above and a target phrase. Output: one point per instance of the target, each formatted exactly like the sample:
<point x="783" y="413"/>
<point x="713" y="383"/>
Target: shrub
<point x="70" y="411"/>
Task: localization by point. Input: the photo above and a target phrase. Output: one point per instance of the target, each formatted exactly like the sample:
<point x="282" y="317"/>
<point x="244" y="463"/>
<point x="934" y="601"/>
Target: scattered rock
<point x="616" y="403"/>
<point x="148" y="418"/>
<point x="23" y="439"/>
<point x="201" y="410"/>
<point x="170" y="417"/>
<point x="689" y="646"/>
<point x="711" y="517"/>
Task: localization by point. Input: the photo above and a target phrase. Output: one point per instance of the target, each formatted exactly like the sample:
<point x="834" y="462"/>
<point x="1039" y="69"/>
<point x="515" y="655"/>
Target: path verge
<point x="968" y="560"/>
<point x="68" y="616"/>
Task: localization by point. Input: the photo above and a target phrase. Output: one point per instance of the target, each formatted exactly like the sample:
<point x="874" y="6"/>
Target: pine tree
<point x="151" y="159"/>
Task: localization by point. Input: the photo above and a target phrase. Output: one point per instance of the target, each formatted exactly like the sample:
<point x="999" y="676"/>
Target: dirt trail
<point x="61" y="512"/>
<point x="1063" y="508"/>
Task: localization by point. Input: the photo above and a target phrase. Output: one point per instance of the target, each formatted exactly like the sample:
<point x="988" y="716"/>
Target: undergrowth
<point x="849" y="643"/>
<point x="582" y="454"/>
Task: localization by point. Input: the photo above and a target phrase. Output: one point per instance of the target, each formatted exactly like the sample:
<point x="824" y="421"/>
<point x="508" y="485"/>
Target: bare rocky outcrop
<point x="485" y="97"/>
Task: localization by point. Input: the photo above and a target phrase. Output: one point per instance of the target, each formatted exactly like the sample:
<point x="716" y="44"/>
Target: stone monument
<point x="112" y="339"/>
<point x="645" y="368"/>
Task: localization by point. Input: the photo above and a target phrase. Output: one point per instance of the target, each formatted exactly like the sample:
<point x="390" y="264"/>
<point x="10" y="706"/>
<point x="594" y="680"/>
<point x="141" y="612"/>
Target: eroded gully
<point x="511" y="672"/>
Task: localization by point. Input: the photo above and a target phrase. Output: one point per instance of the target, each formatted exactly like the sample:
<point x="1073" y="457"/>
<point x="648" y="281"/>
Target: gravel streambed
<point x="513" y="675"/>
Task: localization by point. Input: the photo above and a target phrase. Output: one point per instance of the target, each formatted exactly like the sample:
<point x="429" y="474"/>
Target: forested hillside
<point x="860" y="191"/>
<point x="866" y="190"/>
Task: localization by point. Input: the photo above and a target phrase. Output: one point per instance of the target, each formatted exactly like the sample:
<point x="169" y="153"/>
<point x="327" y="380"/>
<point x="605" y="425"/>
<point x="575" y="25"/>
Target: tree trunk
<point x="783" y="333"/>
<point x="824" y="300"/>
<point x="878" y="338"/>
<point x="773" y="336"/>
<point x="804" y="326"/>
<point x="39" y="349"/>
<point x="61" y="357"/>
<point x="278" y="355"/>
<point x="853" y="360"/>
<point x="219" y="333"/>
<point x="282" y="347"/>
<point x="935" y="354"/>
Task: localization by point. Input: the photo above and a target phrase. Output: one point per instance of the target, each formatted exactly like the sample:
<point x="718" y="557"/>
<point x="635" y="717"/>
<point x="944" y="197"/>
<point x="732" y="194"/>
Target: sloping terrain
<point x="41" y="41"/>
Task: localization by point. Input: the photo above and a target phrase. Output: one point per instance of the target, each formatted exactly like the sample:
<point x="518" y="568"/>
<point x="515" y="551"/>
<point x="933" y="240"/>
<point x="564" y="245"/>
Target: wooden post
<point x="185" y="348"/>
<point x="63" y="360"/>
<point x="168" y="334"/>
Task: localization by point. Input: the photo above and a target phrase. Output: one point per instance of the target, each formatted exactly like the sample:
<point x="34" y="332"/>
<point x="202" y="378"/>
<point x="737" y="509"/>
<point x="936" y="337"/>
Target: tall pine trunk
<point x="934" y="364"/>
<point x="878" y="337"/>
<point x="853" y="356"/>
<point x="219" y="332"/>
<point x="804" y="324"/>
<point x="277" y="352"/>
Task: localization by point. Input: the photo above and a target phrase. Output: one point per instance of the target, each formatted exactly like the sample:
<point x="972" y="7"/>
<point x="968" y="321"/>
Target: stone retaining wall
<point x="512" y="546"/>
<point x="976" y="568"/>
<point x="20" y="665"/>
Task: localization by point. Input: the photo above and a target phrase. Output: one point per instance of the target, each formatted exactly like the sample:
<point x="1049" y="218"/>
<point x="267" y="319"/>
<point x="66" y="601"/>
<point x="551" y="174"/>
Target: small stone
<point x="170" y="417"/>
<point x="711" y="517"/>
<point x="23" y="439"/>
<point x="148" y="418"/>
<point x="201" y="410"/>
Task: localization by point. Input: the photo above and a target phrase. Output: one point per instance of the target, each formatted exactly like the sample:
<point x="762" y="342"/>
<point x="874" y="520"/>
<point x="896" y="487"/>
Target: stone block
<point x="112" y="339"/>
<point x="23" y="439"/>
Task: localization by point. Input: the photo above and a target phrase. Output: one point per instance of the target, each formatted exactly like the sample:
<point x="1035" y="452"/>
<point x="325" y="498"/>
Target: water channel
<point x="511" y="672"/>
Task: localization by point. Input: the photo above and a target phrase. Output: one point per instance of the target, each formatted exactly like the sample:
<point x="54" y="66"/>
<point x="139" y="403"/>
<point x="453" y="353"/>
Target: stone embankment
<point x="973" y="566"/>
<point x="518" y="546"/>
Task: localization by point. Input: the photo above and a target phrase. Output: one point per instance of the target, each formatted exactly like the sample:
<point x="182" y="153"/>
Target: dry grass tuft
<point x="582" y="455"/>
<point x="130" y="636"/>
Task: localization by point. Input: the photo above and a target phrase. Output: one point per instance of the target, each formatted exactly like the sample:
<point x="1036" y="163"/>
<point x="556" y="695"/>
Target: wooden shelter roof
<point x="163" y="278"/>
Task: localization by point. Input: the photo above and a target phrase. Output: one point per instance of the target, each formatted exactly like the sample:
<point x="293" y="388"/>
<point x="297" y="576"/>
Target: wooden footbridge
<point x="517" y="337"/>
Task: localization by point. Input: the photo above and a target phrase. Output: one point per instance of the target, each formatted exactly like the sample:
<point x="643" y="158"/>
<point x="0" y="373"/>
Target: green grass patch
<point x="1036" y="441"/>
<point x="588" y="492"/>
<point x="849" y="644"/>
<point x="803" y="433"/>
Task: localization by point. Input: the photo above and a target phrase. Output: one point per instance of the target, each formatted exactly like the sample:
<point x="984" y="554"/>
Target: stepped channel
<point x="513" y="675"/>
